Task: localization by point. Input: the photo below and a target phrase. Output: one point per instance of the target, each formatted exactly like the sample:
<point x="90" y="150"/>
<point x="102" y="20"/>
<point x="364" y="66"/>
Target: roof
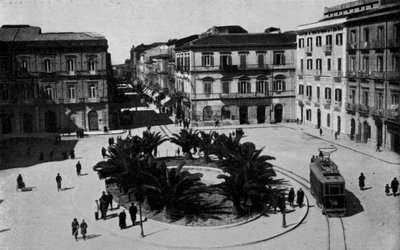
<point x="231" y="29"/>
<point x="62" y="36"/>
<point x="259" y="39"/>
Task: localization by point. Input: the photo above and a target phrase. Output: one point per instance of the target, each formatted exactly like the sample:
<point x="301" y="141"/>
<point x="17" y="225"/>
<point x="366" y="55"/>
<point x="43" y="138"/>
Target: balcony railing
<point x="393" y="114"/>
<point x="327" y="49"/>
<point x="351" y="107"/>
<point x="308" y="50"/>
<point x="365" y="45"/>
<point x="336" y="73"/>
<point x="243" y="95"/>
<point x="378" y="74"/>
<point x="351" y="46"/>
<point x="393" y="43"/>
<point x="378" y="44"/>
<point x="391" y="75"/>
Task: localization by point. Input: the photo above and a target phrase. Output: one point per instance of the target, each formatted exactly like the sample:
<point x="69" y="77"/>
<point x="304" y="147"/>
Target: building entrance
<point x="93" y="120"/>
<point x="278" y="113"/>
<point x="260" y="114"/>
<point x="50" y="123"/>
<point x="243" y="113"/>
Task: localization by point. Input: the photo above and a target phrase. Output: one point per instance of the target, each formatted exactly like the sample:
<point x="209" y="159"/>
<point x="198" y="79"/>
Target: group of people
<point x="122" y="216"/>
<point x="185" y="121"/>
<point x="75" y="228"/>
<point x="278" y="200"/>
<point x="80" y="133"/>
<point x="394" y="185"/>
<point x="106" y="200"/>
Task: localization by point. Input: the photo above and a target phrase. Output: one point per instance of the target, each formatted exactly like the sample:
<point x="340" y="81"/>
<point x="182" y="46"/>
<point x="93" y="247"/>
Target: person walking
<point x="394" y="185"/>
<point x="75" y="228"/>
<point x="78" y="168"/>
<point x="84" y="227"/>
<point x="103" y="152"/>
<point x="361" y="181"/>
<point x="122" y="219"/>
<point x="96" y="209"/>
<point x="274" y="201"/>
<point x="110" y="200"/>
<point x="72" y="153"/>
<point x="320" y="131"/>
<point x="291" y="197"/>
<point x="132" y="212"/>
<point x="281" y="202"/>
<point x="58" y="180"/>
<point x="387" y="189"/>
<point x="300" y="197"/>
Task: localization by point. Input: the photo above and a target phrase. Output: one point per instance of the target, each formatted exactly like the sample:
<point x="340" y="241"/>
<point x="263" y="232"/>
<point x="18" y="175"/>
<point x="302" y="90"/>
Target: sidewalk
<point x="362" y="148"/>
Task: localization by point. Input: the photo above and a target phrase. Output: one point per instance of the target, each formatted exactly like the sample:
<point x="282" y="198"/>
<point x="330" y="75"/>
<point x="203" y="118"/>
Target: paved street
<point x="41" y="218"/>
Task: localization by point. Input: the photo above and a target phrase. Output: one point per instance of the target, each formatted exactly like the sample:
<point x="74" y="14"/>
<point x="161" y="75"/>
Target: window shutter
<point x="248" y="87"/>
<point x="212" y="60"/>
<point x="203" y="61"/>
<point x="229" y="60"/>
<point x="283" y="86"/>
<point x="283" y="59"/>
<point x="239" y="91"/>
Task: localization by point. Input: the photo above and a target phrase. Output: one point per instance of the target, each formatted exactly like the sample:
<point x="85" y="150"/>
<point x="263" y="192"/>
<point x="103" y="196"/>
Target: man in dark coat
<point x="300" y="197"/>
<point x="78" y="168"/>
<point x="361" y="181"/>
<point x="291" y="197"/>
<point x="110" y="200"/>
<point x="132" y="212"/>
<point x="281" y="203"/>
<point x="72" y="153"/>
<point x="394" y="185"/>
<point x="122" y="219"/>
<point x="58" y="180"/>
<point x="103" y="152"/>
<point x="75" y="228"/>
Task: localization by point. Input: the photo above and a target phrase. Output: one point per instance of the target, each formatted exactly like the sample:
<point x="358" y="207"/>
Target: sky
<point x="125" y="23"/>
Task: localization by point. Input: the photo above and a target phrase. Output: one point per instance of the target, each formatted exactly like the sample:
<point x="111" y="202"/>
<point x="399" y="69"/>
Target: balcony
<point x="363" y="74"/>
<point x="351" y="74"/>
<point x="283" y="66"/>
<point x="391" y="75"/>
<point x="327" y="49"/>
<point x="393" y="43"/>
<point x="378" y="44"/>
<point x="392" y="114"/>
<point x="243" y="95"/>
<point x="351" y="46"/>
<point x="364" y="45"/>
<point x="378" y="74"/>
<point x="229" y="68"/>
<point x="308" y="51"/>
<point x="338" y="104"/>
<point x="363" y="108"/>
<point x="376" y="111"/>
<point x="336" y="73"/>
<point x="352" y="107"/>
<point x="327" y="104"/>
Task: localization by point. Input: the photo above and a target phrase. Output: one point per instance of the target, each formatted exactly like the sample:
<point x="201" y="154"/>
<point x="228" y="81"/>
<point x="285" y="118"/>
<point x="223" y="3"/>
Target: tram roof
<point x="325" y="172"/>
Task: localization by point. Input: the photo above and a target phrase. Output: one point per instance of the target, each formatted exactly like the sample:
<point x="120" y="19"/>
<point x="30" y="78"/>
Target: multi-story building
<point x="52" y="81"/>
<point x="348" y="72"/>
<point x="321" y="86"/>
<point x="373" y="72"/>
<point x="236" y="77"/>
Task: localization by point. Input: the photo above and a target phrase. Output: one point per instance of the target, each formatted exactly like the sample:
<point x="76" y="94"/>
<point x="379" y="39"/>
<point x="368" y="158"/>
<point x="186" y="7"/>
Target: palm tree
<point x="247" y="176"/>
<point x="223" y="145"/>
<point x="151" y="140"/>
<point x="187" y="140"/>
<point x="205" y="144"/>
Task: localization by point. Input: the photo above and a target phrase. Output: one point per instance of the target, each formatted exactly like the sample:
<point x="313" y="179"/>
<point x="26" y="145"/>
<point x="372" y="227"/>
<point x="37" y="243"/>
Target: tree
<point x="205" y="144"/>
<point x="151" y="140"/>
<point x="187" y="140"/>
<point x="223" y="145"/>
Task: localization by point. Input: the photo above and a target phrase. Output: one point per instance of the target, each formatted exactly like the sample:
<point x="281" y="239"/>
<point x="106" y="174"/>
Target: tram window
<point x="334" y="189"/>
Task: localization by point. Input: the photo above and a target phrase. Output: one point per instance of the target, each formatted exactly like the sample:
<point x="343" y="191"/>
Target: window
<point x="353" y="36"/>
<point x="396" y="63"/>
<point x="308" y="114"/>
<point x="301" y="43"/>
<point x="328" y="64"/>
<point x="301" y="65"/>
<point x="328" y="120"/>
<point x="225" y="60"/>
<point x="364" y="100"/>
<point x="318" y="64"/>
<point x="71" y="92"/>
<point x="338" y="95"/>
<point x="353" y="96"/>
<point x="225" y="113"/>
<point x="243" y="61"/>
<point x="379" y="100"/>
<point x="339" y="39"/>
<point x="244" y="87"/>
<point x="92" y="91"/>
<point x="309" y="91"/>
<point x="225" y="87"/>
<point x="24" y="66"/>
<point x="395" y="98"/>
<point x="365" y="64"/>
<point x="396" y="32"/>
<point x="309" y="42"/>
<point x="318" y="42"/>
<point x="279" y="58"/>
<point x="279" y="85"/>
<point x="352" y="63"/>
<point x="91" y="66"/>
<point x="328" y="40"/>
<point x="309" y="64"/>
<point x="260" y="60"/>
<point x="262" y="87"/>
<point x="301" y="89"/>
<point x="207" y="88"/>
<point x="380" y="35"/>
<point x="379" y="63"/>
<point x="365" y="35"/>
<point x="47" y="65"/>
<point x="49" y="93"/>
<point x="328" y="93"/>
<point x="70" y="65"/>
<point x="207" y="60"/>
<point x="339" y="64"/>
<point x="318" y="92"/>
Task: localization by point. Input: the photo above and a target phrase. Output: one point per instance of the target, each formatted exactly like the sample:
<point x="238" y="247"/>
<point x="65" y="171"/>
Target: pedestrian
<point x="336" y="135"/>
<point x="110" y="200"/>
<point x="320" y="131"/>
<point x="78" y="168"/>
<point x="312" y="158"/>
<point x="132" y="212"/>
<point x="281" y="202"/>
<point x="20" y="182"/>
<point x="58" y="180"/>
<point x="291" y="197"/>
<point x="84" y="227"/>
<point x="72" y="153"/>
<point x="103" y="205"/>
<point x="103" y="152"/>
<point x="300" y="197"/>
<point x="387" y="189"/>
<point x="110" y="141"/>
<point x="361" y="181"/>
<point x="96" y="209"/>
<point x="75" y="228"/>
<point x="394" y="185"/>
<point x="122" y="219"/>
<point x="179" y="151"/>
<point x="274" y="201"/>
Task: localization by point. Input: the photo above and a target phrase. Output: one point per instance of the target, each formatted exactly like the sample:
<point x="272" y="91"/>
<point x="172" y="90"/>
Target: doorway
<point x="260" y="114"/>
<point x="319" y="118"/>
<point x="50" y="123"/>
<point x="278" y="113"/>
<point x="93" y="120"/>
<point x="243" y="115"/>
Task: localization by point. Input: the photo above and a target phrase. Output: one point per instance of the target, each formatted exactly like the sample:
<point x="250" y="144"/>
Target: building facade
<point x="237" y="78"/>
<point x="52" y="82"/>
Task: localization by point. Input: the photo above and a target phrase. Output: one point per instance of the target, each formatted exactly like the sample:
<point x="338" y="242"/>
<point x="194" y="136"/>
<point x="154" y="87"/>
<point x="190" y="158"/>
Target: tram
<point x="327" y="184"/>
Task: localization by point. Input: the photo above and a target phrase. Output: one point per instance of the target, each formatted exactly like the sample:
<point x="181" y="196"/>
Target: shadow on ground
<point x="140" y="119"/>
<point x="25" y="151"/>
<point x="353" y="204"/>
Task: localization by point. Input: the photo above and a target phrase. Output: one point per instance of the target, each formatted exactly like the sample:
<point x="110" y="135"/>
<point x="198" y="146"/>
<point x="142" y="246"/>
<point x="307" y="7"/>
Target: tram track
<point x="334" y="240"/>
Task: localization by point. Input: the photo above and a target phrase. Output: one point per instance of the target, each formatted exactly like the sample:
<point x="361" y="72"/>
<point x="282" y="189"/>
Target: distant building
<point x="348" y="72"/>
<point x="237" y="77"/>
<point x="52" y="82"/>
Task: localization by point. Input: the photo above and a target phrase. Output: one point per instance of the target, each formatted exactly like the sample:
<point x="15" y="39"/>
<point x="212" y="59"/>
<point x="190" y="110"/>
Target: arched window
<point x="92" y="91"/>
<point x="225" y="113"/>
<point x="49" y="93"/>
<point x="71" y="92"/>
